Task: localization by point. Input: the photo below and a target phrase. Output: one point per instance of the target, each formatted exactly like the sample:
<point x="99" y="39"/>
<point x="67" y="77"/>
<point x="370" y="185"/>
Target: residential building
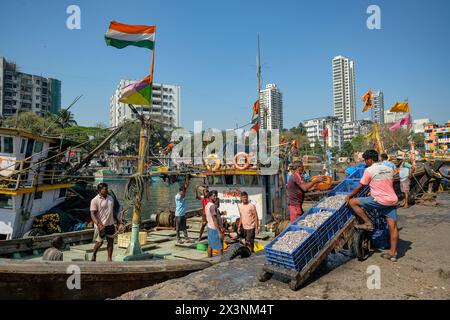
<point x="378" y="107"/>
<point x="26" y="92"/>
<point x="315" y="127"/>
<point x="352" y="129"/>
<point x="344" y="91"/>
<point x="165" y="106"/>
<point x="418" y="125"/>
<point x="392" y="117"/>
<point x="271" y="108"/>
<point x="437" y="139"/>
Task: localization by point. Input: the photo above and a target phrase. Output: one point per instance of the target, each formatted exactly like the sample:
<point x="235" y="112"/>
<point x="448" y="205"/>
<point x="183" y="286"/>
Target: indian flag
<point x="121" y="35"/>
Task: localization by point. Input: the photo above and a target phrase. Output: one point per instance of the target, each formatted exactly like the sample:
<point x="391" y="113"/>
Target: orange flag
<point x="368" y="100"/>
<point x="256" y="108"/>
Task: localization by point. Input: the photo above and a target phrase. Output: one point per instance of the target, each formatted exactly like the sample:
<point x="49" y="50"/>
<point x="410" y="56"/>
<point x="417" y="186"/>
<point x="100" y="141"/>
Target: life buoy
<point x="216" y="162"/>
<point x="239" y="156"/>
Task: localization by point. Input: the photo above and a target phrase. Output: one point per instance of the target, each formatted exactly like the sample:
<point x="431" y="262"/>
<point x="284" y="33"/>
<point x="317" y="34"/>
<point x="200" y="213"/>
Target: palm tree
<point x="64" y="118"/>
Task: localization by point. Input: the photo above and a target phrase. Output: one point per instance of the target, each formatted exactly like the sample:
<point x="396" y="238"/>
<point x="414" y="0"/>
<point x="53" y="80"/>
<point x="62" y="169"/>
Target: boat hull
<point x="98" y="280"/>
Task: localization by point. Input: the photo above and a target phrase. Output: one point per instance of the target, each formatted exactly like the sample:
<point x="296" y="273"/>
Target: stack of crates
<point x="319" y="237"/>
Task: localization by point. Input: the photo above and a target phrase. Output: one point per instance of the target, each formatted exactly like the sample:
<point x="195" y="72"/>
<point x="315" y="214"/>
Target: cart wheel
<point x="361" y="244"/>
<point x="265" y="276"/>
<point x="294" y="285"/>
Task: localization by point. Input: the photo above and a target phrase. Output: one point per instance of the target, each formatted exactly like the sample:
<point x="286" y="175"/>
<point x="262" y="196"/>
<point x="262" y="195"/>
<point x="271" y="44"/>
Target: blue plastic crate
<point x="344" y="187"/>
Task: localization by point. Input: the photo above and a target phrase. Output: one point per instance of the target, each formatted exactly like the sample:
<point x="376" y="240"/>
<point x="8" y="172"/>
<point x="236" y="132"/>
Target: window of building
<point x="7" y="145"/>
<point x="62" y="193"/>
<point x="38" y="105"/>
<point x="22" y="145"/>
<point x="6" y="201"/>
<point x="38" y="146"/>
<point x="38" y="195"/>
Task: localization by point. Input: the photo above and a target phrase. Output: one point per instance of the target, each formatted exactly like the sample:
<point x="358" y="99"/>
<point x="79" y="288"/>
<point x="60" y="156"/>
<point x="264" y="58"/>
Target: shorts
<point x="109" y="232"/>
<point x="214" y="239"/>
<point x="295" y="211"/>
<point x="249" y="236"/>
<point x="369" y="203"/>
<point x="404" y="185"/>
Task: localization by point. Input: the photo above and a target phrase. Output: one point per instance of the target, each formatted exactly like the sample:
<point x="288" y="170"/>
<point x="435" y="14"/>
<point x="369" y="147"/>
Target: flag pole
<point x="134" y="249"/>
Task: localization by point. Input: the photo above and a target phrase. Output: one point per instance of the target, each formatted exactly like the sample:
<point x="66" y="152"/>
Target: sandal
<point x="388" y="256"/>
<point x="365" y="226"/>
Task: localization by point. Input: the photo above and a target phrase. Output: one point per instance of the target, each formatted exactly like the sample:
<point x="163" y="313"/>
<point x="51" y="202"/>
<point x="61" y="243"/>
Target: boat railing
<point x="16" y="174"/>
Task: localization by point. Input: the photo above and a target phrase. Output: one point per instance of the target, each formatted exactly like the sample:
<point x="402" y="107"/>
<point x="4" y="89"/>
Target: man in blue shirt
<point x="386" y="162"/>
<point x="180" y="211"/>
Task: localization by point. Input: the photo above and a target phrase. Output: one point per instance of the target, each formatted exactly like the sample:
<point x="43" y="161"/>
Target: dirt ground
<point x="422" y="271"/>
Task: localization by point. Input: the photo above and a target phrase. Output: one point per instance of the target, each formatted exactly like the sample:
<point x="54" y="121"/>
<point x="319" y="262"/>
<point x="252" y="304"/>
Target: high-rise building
<point x="271" y="108"/>
<point x="315" y="127"/>
<point x="26" y="92"/>
<point x="165" y="106"/>
<point x="344" y="92"/>
<point x="378" y="107"/>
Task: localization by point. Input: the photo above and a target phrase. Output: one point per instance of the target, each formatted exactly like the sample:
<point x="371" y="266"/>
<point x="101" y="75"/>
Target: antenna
<point x="258" y="74"/>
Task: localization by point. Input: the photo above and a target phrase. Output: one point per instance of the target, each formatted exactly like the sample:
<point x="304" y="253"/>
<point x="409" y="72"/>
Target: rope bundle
<point x="134" y="189"/>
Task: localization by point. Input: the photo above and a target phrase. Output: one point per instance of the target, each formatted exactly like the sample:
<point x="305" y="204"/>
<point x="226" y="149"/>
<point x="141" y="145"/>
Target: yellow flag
<point x="400" y="107"/>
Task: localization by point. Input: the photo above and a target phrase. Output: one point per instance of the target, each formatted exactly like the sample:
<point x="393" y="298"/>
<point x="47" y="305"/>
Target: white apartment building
<point x="378" y="107"/>
<point x="418" y="125"/>
<point x="344" y="91"/>
<point x="352" y="129"/>
<point x="392" y="117"/>
<point x="165" y="106"/>
<point x="27" y="92"/>
<point x="271" y="108"/>
<point x="315" y="127"/>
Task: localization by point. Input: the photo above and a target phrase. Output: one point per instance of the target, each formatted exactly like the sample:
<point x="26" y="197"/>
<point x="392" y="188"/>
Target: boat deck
<point x="161" y="244"/>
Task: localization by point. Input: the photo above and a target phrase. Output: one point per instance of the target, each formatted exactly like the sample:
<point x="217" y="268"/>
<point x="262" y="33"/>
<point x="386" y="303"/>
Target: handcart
<point x="336" y="233"/>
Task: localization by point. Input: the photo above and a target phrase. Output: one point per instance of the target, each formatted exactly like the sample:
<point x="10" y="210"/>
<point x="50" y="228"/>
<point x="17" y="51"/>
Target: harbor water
<point x="157" y="197"/>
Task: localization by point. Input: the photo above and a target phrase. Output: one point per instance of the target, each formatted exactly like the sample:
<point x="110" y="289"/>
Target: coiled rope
<point x="134" y="189"/>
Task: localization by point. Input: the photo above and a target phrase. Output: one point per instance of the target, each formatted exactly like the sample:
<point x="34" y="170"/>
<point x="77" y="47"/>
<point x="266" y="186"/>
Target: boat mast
<point x="258" y="74"/>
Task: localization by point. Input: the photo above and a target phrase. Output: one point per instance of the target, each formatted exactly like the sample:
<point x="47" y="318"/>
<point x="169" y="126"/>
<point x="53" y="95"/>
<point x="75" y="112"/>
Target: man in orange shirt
<point x="248" y="220"/>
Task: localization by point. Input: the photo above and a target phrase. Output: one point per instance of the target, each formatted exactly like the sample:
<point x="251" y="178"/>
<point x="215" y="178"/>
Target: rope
<point x="134" y="189"/>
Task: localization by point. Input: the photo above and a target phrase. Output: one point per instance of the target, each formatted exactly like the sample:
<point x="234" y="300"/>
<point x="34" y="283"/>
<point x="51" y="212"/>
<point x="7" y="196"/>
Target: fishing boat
<point x="31" y="180"/>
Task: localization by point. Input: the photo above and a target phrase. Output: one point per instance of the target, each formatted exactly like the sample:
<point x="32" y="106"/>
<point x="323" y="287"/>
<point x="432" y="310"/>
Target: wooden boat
<point x="99" y="280"/>
<point x="34" y="245"/>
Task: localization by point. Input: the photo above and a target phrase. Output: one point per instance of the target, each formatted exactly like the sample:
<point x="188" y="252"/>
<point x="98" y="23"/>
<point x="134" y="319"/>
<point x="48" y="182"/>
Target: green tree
<point x="31" y="122"/>
<point x="63" y="119"/>
<point x="80" y="134"/>
<point x="334" y="151"/>
<point x="347" y="149"/>
<point x="359" y="143"/>
<point x="299" y="129"/>
<point x="419" y="140"/>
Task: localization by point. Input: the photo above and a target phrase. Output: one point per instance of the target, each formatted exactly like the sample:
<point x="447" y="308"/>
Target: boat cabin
<point x="266" y="192"/>
<point x="29" y="184"/>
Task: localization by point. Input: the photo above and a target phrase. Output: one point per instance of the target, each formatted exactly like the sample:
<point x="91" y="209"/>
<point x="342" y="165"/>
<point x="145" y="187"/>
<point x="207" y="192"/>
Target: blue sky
<point x="208" y="48"/>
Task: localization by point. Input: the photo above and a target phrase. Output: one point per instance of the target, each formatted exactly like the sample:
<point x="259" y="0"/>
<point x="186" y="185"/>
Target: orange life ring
<point x="241" y="166"/>
<point x="217" y="162"/>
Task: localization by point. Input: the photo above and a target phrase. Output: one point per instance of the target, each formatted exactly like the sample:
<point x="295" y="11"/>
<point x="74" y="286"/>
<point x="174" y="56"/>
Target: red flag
<point x="255" y="127"/>
<point x="325" y="133"/>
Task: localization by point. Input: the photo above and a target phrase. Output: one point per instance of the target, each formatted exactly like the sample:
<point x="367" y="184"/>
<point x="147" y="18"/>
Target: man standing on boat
<point x="215" y="229"/>
<point x="296" y="189"/>
<point x="180" y="211"/>
<point x="102" y="215"/>
<point x="205" y="201"/>
<point x="380" y="179"/>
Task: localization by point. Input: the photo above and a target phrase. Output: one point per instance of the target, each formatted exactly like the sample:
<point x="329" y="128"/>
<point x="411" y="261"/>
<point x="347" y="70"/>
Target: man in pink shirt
<point x="249" y="221"/>
<point x="380" y="179"/>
